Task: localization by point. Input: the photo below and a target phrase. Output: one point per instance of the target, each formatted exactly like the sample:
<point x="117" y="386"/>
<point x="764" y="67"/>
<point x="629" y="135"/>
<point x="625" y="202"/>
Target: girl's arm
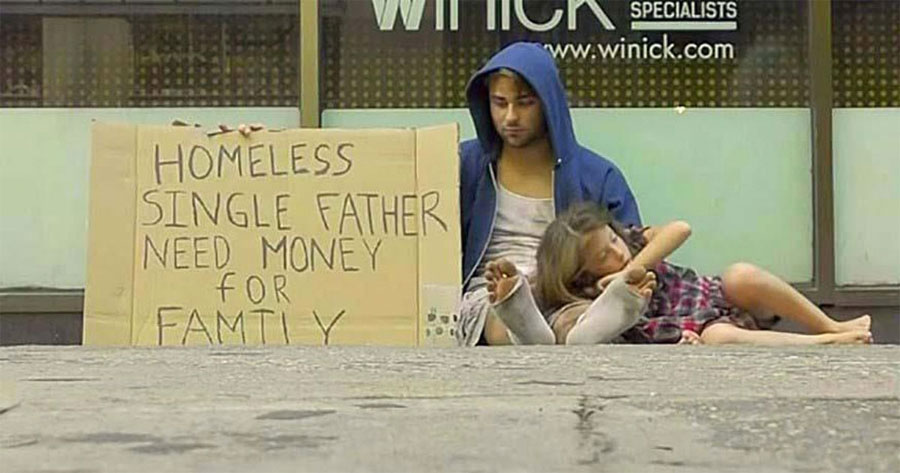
<point x="662" y="241"/>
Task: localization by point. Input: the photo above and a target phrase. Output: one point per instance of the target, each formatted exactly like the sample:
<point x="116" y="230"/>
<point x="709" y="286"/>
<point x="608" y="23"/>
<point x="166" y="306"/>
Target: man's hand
<point x="178" y="122"/>
<point x="243" y="129"/>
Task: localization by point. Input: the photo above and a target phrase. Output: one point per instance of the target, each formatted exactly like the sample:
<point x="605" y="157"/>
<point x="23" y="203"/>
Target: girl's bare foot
<point x="858" y="337"/>
<point x="641" y="282"/>
<point x="861" y="323"/>
<point x="501" y="278"/>
<point x="689" y="337"/>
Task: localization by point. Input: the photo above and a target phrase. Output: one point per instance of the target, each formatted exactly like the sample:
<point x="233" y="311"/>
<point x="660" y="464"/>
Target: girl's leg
<point x="565" y="321"/>
<point x="756" y="290"/>
<point x="495" y="331"/>
<point x="689" y="337"/>
<point x="722" y="333"/>
<point x="513" y="308"/>
<point x="478" y="323"/>
<point x="610" y="314"/>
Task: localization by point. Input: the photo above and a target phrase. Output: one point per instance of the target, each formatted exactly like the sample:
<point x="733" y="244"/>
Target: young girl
<point x="584" y="251"/>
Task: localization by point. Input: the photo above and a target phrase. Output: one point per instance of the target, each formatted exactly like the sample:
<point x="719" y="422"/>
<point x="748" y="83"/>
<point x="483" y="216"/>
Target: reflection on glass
<point x="614" y="53"/>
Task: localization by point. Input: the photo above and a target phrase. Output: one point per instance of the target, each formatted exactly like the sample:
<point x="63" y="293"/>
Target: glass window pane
<point x="149" y="60"/>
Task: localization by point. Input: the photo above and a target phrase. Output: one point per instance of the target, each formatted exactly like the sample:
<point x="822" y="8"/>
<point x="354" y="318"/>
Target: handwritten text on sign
<point x="306" y="236"/>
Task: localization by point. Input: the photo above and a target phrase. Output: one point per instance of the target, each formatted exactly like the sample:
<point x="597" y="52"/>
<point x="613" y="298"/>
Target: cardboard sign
<point x="284" y="237"/>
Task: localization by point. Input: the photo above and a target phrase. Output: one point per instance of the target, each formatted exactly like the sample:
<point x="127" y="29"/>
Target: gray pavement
<point x="604" y="408"/>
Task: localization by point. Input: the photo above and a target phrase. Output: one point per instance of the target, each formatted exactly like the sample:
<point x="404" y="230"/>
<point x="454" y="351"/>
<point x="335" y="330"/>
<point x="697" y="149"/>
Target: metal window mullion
<point x="821" y="102"/>
<point x="309" y="63"/>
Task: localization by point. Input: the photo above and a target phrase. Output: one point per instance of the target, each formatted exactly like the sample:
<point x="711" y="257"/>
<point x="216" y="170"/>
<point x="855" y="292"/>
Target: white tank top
<point x="518" y="227"/>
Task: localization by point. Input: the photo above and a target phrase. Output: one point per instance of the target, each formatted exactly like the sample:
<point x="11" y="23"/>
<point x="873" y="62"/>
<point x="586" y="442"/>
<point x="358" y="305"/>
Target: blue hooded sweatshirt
<point x="579" y="175"/>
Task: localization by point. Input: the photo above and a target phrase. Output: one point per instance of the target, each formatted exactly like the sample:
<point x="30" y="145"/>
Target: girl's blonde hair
<point x="559" y="279"/>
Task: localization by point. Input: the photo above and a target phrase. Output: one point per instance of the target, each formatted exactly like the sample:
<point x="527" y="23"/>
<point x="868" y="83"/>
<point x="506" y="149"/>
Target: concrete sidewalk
<point x="604" y="408"/>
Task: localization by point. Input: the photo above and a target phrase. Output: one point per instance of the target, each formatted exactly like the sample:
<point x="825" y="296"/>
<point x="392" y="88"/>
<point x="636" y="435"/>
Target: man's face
<point x="516" y="112"/>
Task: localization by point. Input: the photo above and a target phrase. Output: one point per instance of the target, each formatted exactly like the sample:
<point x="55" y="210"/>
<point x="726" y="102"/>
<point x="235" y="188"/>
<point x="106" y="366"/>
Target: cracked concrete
<point x="603" y="408"/>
